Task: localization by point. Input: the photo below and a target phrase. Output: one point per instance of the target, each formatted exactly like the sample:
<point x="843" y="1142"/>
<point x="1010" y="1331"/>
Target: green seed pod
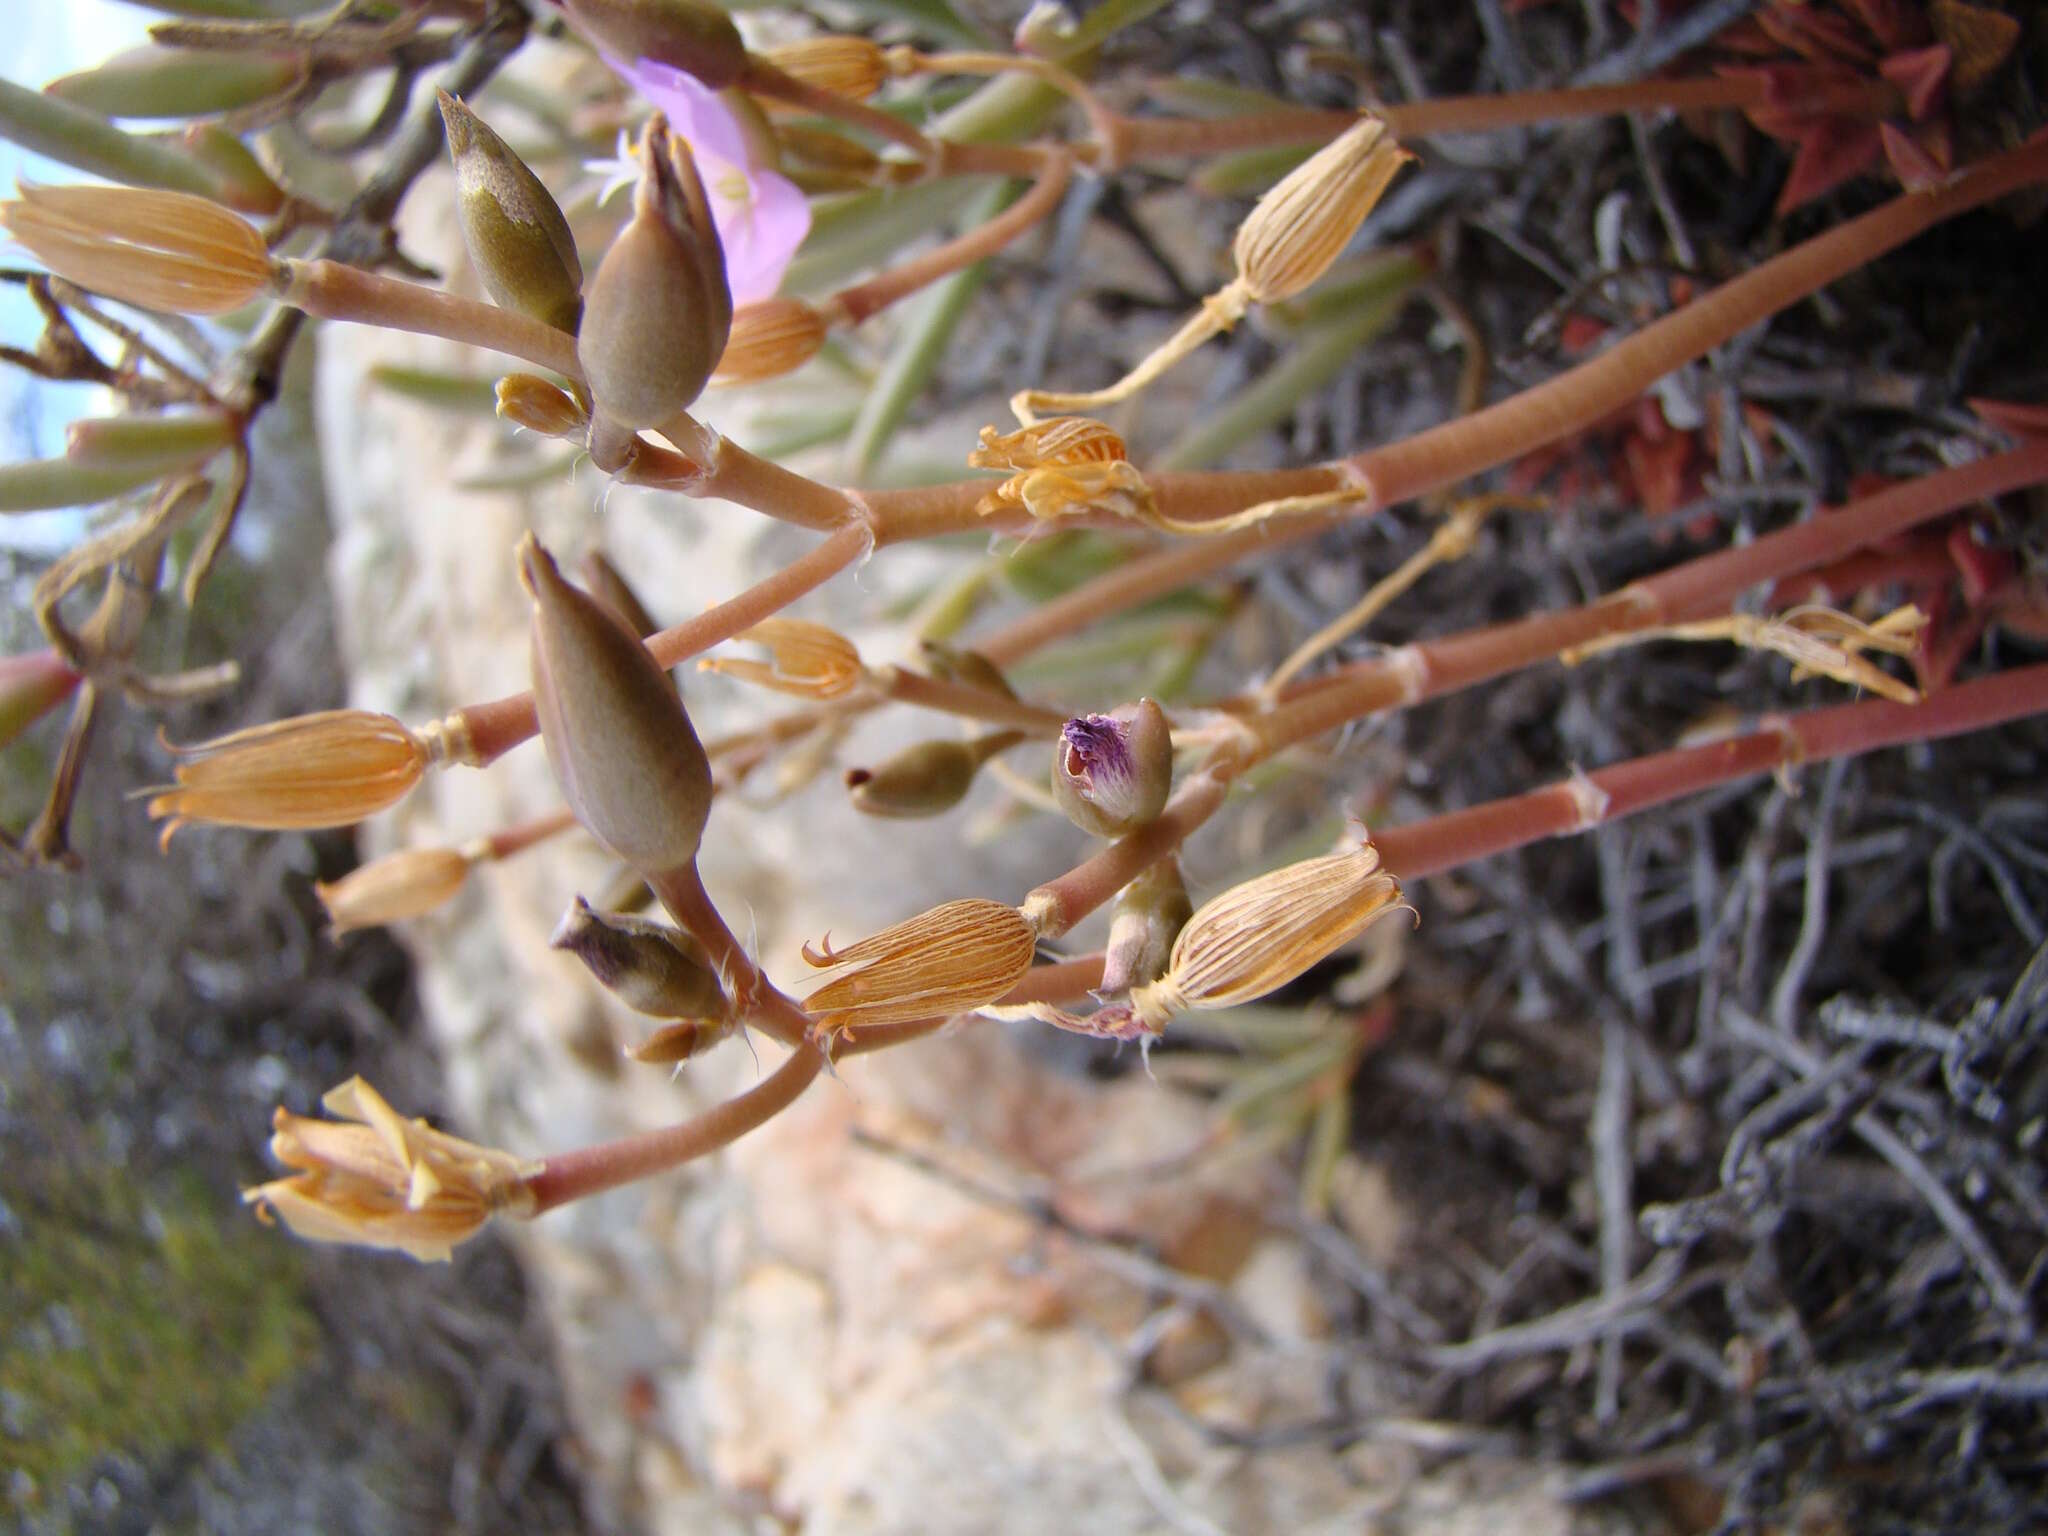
<point x="1150" y="913"/>
<point x="650" y="967"/>
<point x="658" y="312"/>
<point x="927" y="779"/>
<point x="516" y="235"/>
<point x="240" y="180"/>
<point x="960" y="665"/>
<point x="689" y="35"/>
<point x="623" y="751"/>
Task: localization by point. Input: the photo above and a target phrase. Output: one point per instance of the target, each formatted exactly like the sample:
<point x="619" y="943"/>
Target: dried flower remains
<point x="375" y="1179"/>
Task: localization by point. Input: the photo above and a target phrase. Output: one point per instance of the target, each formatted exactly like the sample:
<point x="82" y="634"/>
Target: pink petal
<point x="761" y="233"/>
<point x="693" y="108"/>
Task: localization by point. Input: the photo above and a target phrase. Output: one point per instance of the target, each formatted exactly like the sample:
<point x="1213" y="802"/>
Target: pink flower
<point x="761" y="216"/>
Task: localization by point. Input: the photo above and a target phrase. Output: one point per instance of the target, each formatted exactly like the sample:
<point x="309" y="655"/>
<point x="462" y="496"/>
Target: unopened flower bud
<point x="517" y="237"/>
<point x="651" y="968"/>
<point x="330" y="769"/>
<point x="1150" y="913"/>
<point x="155" y="81"/>
<point x="622" y="749"/>
<point x="657" y="314"/>
<point x="853" y="67"/>
<point x="925" y="780"/>
<point x="770" y="338"/>
<point x="691" y="35"/>
<point x="960" y="665"/>
<point x="410" y="883"/>
<point x="809" y="660"/>
<point x="1303" y="224"/>
<point x="1257" y="937"/>
<point x="603" y="581"/>
<point x="375" y="1179"/>
<point x="539" y="406"/>
<point x="30" y="687"/>
<point x="953" y="958"/>
<point x="1111" y="773"/>
<point x="239" y="178"/>
<point x="167" y="251"/>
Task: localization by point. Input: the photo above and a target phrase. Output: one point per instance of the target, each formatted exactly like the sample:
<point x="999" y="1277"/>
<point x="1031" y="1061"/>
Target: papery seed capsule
<point x="517" y="238"/>
<point x="1258" y="936"/>
<point x="853" y="67"/>
<point x="1112" y="773"/>
<point x="650" y="967"/>
<point x="400" y="885"/>
<point x="955" y="957"/>
<point x="770" y="338"/>
<point x="623" y="751"/>
<point x="167" y="251"/>
<point x="809" y="660"/>
<point x="330" y="769"/>
<point x="1303" y="224"/>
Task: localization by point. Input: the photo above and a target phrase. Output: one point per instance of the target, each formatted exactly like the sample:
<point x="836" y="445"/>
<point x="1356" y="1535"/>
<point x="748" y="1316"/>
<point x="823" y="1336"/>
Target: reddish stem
<point x="877" y="293"/>
<point x="1697" y="588"/>
<point x="1786" y="741"/>
<point x="587" y="1171"/>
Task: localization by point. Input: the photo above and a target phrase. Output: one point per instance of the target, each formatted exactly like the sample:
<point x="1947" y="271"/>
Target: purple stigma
<point x="1096" y="745"/>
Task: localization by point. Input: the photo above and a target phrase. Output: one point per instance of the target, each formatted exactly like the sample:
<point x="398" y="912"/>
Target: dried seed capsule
<point x="410" y="883"/>
<point x="166" y="251"/>
<point x="516" y="235"/>
<point x="955" y="957"/>
<point x="1150" y="913"/>
<point x="770" y="338"/>
<point x="650" y="967"/>
<point x="1258" y="936"/>
<point x="330" y="769"/>
<point x="927" y="779"/>
<point x="809" y="660"/>
<point x="853" y="67"/>
<point x="623" y="751"/>
<point x="1302" y="225"/>
<point x="1112" y="773"/>
<point x="375" y="1179"/>
<point x="689" y="35"/>
<point x="658" y="312"/>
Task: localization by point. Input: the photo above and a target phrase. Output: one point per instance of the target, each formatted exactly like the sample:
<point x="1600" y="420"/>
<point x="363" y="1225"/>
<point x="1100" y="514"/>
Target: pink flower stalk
<point x="761" y="215"/>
